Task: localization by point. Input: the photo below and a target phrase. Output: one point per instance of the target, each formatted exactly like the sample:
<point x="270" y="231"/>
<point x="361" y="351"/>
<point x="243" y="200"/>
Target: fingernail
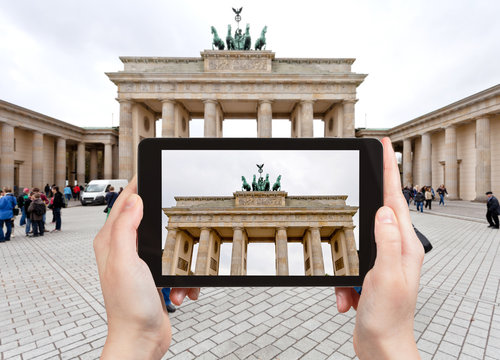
<point x="386" y="216"/>
<point x="132" y="199"/>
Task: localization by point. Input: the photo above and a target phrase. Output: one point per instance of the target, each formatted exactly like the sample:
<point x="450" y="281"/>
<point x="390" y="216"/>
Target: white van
<point x="95" y="191"/>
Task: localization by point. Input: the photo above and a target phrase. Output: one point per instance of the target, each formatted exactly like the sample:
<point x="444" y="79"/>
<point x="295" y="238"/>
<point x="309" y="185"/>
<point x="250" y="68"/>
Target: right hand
<point x="386" y="308"/>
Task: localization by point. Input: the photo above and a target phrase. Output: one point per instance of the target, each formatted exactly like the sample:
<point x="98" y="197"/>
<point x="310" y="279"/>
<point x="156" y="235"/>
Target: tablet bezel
<point x="150" y="229"/>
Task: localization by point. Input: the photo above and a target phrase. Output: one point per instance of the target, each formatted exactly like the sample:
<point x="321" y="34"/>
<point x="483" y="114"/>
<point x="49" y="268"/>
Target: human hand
<point x="138" y="324"/>
<point x="386" y="307"/>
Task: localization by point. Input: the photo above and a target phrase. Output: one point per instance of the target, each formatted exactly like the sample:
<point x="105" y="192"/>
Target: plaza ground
<point x="51" y="304"/>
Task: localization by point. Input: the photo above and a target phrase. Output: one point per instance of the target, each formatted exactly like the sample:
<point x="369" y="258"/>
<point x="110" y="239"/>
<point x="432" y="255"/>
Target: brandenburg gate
<point x="234" y="84"/>
<point x="259" y="216"/>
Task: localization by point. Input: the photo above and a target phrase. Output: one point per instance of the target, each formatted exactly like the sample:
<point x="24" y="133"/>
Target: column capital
<point x="485" y="117"/>
<point x="311" y="228"/>
<point x="205" y="228"/>
<point x="281" y="228"/>
<point x="265" y="101"/>
<point x="238" y="227"/>
<point x="349" y="227"/>
<point x="124" y="100"/>
<point x="209" y="101"/>
<point x="168" y="101"/>
<point x="307" y="101"/>
<point x="171" y="228"/>
<point x="349" y="101"/>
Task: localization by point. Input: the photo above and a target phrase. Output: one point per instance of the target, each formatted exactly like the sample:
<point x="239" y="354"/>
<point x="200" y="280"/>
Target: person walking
<point x="419" y="201"/>
<point x="36" y="211"/>
<point x="493" y="210"/>
<point x="111" y="196"/>
<point x="441" y="192"/>
<point x="76" y="192"/>
<point x="67" y="193"/>
<point x="57" y="205"/>
<point x="428" y="197"/>
<point x="20" y="204"/>
<point x="407" y="194"/>
<point x="7" y="204"/>
<point x="47" y="190"/>
<point x="27" y="204"/>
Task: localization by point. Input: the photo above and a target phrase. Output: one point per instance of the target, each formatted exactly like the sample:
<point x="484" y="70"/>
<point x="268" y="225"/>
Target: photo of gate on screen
<point x="260" y="212"/>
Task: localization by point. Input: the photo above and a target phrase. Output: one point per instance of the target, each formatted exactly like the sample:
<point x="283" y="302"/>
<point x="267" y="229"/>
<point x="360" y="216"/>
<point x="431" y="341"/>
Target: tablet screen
<point x="260" y="212"/>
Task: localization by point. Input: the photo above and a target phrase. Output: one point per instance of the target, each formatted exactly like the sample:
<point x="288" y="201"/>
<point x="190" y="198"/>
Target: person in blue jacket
<point x="7" y="204"/>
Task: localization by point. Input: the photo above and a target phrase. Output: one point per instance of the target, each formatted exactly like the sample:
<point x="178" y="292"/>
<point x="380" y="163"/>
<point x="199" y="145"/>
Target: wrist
<point x="388" y="349"/>
<point x="129" y="346"/>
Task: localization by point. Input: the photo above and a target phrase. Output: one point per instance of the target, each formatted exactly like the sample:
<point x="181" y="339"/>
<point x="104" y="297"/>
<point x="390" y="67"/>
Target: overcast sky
<point x="218" y="173"/>
<point x="419" y="55"/>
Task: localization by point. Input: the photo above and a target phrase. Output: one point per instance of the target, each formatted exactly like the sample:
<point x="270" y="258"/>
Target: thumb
<point x="124" y="228"/>
<point x="388" y="239"/>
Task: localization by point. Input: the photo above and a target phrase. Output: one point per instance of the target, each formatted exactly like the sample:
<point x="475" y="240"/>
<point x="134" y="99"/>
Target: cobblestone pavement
<point x="51" y="305"/>
<point x="459" y="209"/>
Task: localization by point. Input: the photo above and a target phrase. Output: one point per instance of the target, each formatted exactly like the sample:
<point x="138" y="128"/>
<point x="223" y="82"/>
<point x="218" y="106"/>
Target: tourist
<point x="138" y="324"/>
<point x="407" y="194"/>
<point x="36" y="211"/>
<point x="493" y="210"/>
<point x="44" y="199"/>
<point x="76" y="192"/>
<point x="110" y="198"/>
<point x="20" y="203"/>
<point x="428" y="197"/>
<point x="56" y="206"/>
<point x="166" y="298"/>
<point x="7" y="204"/>
<point x="419" y="201"/>
<point x="27" y="203"/>
<point x="441" y="192"/>
<point x="47" y="190"/>
<point x="67" y="193"/>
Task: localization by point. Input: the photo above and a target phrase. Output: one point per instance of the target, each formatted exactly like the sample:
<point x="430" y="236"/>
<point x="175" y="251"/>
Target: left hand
<point x="138" y="323"/>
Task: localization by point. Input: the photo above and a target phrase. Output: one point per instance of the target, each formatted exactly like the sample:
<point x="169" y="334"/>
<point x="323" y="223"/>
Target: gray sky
<point x="218" y="173"/>
<point x="419" y="55"/>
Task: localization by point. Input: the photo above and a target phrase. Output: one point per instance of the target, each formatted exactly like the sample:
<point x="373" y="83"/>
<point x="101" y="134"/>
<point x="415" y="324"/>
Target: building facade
<point x="259" y="216"/>
<point x="457" y="145"/>
<point x="231" y="85"/>
<point x="37" y="149"/>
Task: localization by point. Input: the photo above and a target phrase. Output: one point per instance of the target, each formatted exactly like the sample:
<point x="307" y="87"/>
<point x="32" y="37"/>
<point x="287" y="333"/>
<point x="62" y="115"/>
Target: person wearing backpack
<point x="7" y="204"/>
<point x="36" y="211"/>
<point x="20" y="203"/>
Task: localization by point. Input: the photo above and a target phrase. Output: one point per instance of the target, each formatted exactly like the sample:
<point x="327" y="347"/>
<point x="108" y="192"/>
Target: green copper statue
<point x="260" y="44"/>
<point x="261" y="184"/>
<point x="277" y="184"/>
<point x="217" y="41"/>
<point x="240" y="41"/>
<point x="229" y="39"/>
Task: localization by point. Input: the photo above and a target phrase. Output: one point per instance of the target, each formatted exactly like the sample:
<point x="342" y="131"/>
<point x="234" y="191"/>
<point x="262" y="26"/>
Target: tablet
<point x="259" y="212"/>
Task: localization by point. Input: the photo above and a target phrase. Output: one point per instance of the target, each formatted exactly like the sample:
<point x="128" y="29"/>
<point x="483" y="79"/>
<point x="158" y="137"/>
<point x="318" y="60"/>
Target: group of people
<point x="32" y="205"/>
<point x="72" y="192"/>
<point x="426" y="195"/>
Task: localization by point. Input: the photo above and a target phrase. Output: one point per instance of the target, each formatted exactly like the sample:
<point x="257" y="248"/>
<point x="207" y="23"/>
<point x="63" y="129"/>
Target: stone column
<point x="80" y="163"/>
<point x="265" y="119"/>
<point x="210" y="129"/>
<point x="281" y="252"/>
<point x="37" y="164"/>
<point x="348" y="118"/>
<point x="71" y="166"/>
<point x="306" y="116"/>
<point x="352" y="253"/>
<point x="116" y="155"/>
<point x="237" y="256"/>
<point x="407" y="163"/>
<point x="168" y="118"/>
<point x="108" y="161"/>
<point x="483" y="158"/>
<point x="61" y="163"/>
<point x="339" y="121"/>
<point x="451" y="166"/>
<point x="167" y="259"/>
<point x="202" y="260"/>
<point x="7" y="157"/>
<point x="425" y="160"/>
<point x="317" y="264"/>
<point x="93" y="164"/>
<point x="126" y="150"/>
